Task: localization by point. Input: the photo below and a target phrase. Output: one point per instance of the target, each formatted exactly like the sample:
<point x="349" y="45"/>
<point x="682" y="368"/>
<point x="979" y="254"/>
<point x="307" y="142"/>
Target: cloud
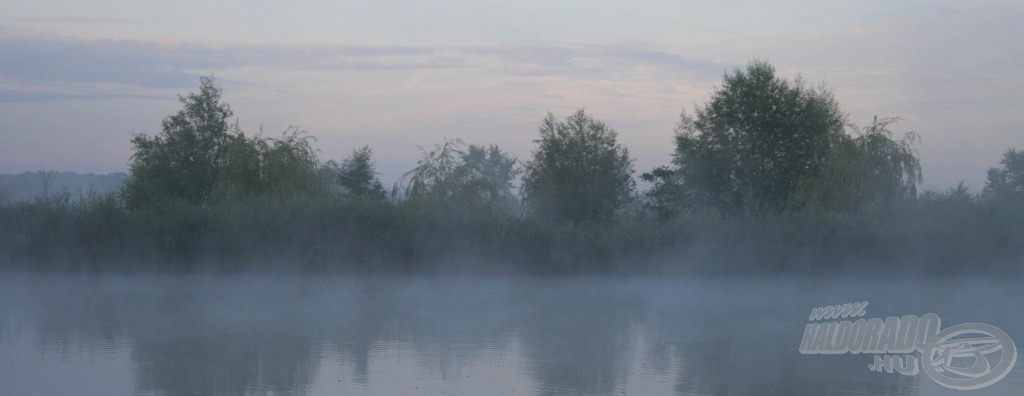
<point x="33" y="63"/>
<point x="91" y="21"/>
<point x="13" y="96"/>
<point x="34" y="68"/>
<point x="577" y="60"/>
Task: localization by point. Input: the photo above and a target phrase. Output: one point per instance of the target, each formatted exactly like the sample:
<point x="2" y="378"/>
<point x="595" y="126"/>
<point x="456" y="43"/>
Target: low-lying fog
<point x="195" y="334"/>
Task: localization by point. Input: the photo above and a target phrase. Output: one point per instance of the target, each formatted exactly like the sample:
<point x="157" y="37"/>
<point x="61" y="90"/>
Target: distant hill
<point x="27" y="185"/>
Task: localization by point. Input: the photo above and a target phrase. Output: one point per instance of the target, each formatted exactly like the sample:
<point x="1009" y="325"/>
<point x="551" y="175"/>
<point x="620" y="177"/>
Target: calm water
<point x="187" y="335"/>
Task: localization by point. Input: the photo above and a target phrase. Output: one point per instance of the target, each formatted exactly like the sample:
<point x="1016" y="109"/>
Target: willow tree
<point x="282" y="168"/>
<point x="455" y="172"/>
<point x="869" y="167"/>
<point x="199" y="157"/>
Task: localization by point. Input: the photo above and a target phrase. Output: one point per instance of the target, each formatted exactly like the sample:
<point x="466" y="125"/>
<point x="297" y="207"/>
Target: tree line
<point x="764" y="150"/>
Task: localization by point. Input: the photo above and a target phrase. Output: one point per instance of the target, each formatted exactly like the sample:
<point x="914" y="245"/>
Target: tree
<point x="759" y="136"/>
<point x="579" y="173"/>
<point x="453" y="172"/>
<point x="240" y="172"/>
<point x="284" y="168"/>
<point x="1007" y="183"/>
<point x="437" y="176"/>
<point x="870" y="167"/>
<point x="667" y="197"/>
<point x="357" y="175"/>
<point x="182" y="161"/>
<point x="493" y="171"/>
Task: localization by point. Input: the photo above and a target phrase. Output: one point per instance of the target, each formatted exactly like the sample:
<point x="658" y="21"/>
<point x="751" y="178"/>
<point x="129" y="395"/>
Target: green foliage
<point x="204" y="196"/>
<point x="199" y="157"/>
<point x="937" y="233"/>
<point x="1007" y="183"/>
<point x="455" y="173"/>
<point x="437" y="176"/>
<point x="759" y="136"/>
<point x="182" y="162"/>
<point x="240" y="172"/>
<point x="579" y="173"/>
<point x="284" y="168"/>
<point x="494" y="173"/>
<point x="868" y="168"/>
<point x="667" y="197"/>
<point x="291" y="166"/>
<point x="356" y="175"/>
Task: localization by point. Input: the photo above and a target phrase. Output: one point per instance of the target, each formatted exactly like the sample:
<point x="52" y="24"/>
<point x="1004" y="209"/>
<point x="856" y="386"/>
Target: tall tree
<point x="357" y="175"/>
<point x="668" y="196"/>
<point x="181" y="162"/>
<point x="579" y="173"/>
<point x="1007" y="182"/>
<point x="748" y="148"/>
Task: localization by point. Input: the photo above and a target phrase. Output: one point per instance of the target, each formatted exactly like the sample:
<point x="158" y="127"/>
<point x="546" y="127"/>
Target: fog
<point x="781" y="250"/>
<point x="26" y="186"/>
<point x="248" y="334"/>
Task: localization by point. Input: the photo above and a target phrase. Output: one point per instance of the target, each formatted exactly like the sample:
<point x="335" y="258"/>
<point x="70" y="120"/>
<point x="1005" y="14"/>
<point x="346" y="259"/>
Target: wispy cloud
<point x="79" y="20"/>
<point x="29" y="63"/>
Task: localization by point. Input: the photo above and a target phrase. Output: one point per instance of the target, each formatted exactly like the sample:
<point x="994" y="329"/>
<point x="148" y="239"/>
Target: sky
<point x="79" y="78"/>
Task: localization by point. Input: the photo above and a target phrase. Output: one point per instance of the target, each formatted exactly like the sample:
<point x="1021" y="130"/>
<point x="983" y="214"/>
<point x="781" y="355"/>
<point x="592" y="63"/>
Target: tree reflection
<point x="235" y="335"/>
<point x="576" y="335"/>
<point x="721" y="340"/>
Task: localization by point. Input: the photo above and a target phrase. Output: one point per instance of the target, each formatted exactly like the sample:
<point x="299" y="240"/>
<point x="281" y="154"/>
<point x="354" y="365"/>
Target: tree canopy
<point x="181" y="162"/>
<point x="199" y="156"/>
<point x="870" y="167"/>
<point x="357" y="175"/>
<point x="454" y="172"/>
<point x="748" y="148"/>
<point x="1007" y="182"/>
<point x="579" y="173"/>
<point x="284" y="167"/>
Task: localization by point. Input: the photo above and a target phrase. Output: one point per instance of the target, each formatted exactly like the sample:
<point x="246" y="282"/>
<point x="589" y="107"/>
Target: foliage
<point x="868" y="168"/>
<point x="199" y="157"/>
<point x="455" y="173"/>
<point x="579" y="173"/>
<point x="667" y="197"/>
<point x="494" y="171"/>
<point x="181" y="163"/>
<point x="215" y="199"/>
<point x="437" y="175"/>
<point x="291" y="166"/>
<point x="285" y="168"/>
<point x="1007" y="182"/>
<point x="240" y="173"/>
<point x="759" y="136"/>
<point x="357" y="177"/>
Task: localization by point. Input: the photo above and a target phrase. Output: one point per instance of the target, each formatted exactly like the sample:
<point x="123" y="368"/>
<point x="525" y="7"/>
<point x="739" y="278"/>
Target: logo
<point x="964" y="357"/>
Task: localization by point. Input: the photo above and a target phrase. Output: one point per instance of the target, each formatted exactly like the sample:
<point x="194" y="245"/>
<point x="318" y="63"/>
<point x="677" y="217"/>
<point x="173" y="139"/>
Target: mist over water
<point x="204" y="334"/>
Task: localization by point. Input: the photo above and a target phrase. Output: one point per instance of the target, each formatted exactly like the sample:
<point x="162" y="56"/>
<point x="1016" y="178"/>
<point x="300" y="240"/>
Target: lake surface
<point x="188" y="335"/>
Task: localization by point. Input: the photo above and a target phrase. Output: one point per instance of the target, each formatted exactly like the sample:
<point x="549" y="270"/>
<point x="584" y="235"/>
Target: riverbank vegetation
<point x="768" y="177"/>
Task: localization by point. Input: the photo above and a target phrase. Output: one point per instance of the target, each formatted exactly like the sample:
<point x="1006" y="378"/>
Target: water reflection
<point x="185" y="335"/>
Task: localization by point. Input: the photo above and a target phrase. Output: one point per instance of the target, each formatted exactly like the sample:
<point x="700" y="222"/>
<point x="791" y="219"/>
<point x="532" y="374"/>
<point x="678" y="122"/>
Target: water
<point x="187" y="335"/>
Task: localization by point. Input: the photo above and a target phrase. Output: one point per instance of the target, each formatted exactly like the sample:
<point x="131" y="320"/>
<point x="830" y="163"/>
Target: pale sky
<point x="79" y="78"/>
